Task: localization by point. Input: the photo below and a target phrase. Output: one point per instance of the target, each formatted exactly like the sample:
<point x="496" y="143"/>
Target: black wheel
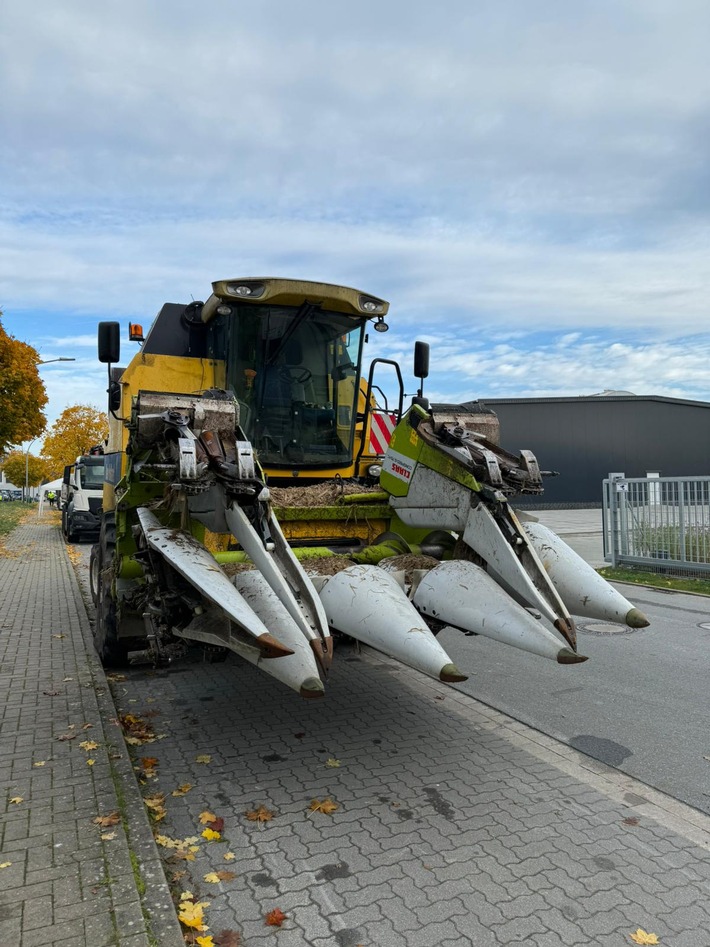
<point x="112" y="651"/>
<point x="69" y="535"/>
<point x="94" y="574"/>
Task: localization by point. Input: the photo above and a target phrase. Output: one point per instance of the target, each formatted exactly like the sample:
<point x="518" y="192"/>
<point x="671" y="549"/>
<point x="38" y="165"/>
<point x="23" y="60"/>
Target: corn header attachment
<point x="191" y="552"/>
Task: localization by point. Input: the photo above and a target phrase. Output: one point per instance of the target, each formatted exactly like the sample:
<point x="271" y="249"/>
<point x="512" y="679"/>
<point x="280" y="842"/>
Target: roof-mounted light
<point x="224" y="310"/>
<point x="371" y="306"/>
<point x="245" y="290"/>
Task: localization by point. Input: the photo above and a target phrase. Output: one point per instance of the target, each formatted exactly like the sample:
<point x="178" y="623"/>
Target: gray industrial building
<point x="585" y="438"/>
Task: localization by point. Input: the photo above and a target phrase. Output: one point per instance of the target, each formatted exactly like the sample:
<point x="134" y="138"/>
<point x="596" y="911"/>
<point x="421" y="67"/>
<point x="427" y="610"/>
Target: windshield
<point x="92" y="475"/>
<point x="294" y="372"/>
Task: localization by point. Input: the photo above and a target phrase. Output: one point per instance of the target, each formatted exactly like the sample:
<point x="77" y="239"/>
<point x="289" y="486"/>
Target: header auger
<point x="259" y="388"/>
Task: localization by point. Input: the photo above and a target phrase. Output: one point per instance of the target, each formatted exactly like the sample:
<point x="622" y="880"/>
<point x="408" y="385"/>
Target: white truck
<point x="81" y="497"/>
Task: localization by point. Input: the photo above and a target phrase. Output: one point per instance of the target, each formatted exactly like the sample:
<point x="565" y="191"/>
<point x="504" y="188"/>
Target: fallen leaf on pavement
<point x="67" y="736"/>
<point x="183" y="848"/>
<point x="106" y="821"/>
<point x="88" y="745"/>
<point x="108" y="836"/>
<point x="631" y="820"/>
<point x="86" y="726"/>
<point x="216" y="824"/>
<point x="203" y="758"/>
<point x="214" y="877"/>
<point x="5" y="864"/>
<point x="155" y="801"/>
<point x="275" y="918"/>
<point x="40" y="763"/>
<point x="191" y="914"/>
<point x="90" y="762"/>
<point x="181" y="790"/>
<point x="205" y="941"/>
<point x="211" y="835"/>
<point x="155" y="804"/>
<point x="59" y="636"/>
<point x="262" y="814"/>
<point x="229" y="856"/>
<point x="206" y="817"/>
<point x="643" y="937"/>
<point x="228" y="938"/>
<point x="326" y="805"/>
<point x="136" y="730"/>
<point x="332" y="762"/>
<point x="16" y="800"/>
<point x="51" y="693"/>
<point x="148" y="764"/>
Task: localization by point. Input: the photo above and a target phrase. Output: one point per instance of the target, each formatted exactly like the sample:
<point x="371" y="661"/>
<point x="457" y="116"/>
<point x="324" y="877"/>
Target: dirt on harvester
<point x="317" y="494"/>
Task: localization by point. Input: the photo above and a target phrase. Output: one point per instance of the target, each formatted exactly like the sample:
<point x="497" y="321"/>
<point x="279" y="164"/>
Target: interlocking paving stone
<point x="60" y="881"/>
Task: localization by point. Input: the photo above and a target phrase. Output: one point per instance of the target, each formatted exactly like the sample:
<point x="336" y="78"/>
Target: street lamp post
<point x="62" y="358"/>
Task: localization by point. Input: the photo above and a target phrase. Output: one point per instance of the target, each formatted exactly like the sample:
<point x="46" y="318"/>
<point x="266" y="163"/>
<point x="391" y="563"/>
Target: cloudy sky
<point x="526" y="182"/>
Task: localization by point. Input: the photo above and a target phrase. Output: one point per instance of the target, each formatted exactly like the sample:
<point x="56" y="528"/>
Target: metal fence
<point x="660" y="523"/>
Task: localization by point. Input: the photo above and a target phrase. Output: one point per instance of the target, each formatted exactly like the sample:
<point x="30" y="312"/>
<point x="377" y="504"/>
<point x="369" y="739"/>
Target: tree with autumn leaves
<point x="76" y="430"/>
<point x="22" y="392"/>
<point x="15" y="465"/>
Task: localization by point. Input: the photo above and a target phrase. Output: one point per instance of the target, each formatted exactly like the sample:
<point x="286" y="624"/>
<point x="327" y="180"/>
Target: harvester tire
<point x="94" y="574"/>
<point x="112" y="651"/>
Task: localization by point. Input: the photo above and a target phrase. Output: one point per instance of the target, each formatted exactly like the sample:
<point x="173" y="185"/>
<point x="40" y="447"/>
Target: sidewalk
<point x="69" y="882"/>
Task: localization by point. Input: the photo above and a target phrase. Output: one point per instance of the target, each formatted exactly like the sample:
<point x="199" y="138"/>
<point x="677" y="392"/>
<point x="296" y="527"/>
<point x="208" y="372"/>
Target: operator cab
<point x="296" y="379"/>
<point x="293" y="357"/>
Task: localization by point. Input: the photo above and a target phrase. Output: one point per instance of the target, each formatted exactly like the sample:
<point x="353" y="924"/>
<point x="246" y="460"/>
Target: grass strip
<point x="657" y="580"/>
<point x="10" y="516"/>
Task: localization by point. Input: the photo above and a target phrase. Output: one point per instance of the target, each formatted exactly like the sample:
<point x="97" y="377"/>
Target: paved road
<point x="640" y="703"/>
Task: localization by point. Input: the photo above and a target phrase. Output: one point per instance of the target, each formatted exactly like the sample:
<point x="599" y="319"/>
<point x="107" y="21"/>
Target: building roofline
<point x="576" y="399"/>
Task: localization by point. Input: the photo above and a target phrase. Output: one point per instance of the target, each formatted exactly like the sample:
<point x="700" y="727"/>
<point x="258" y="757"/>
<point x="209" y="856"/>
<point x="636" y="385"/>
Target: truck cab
<point x="81" y="497"/>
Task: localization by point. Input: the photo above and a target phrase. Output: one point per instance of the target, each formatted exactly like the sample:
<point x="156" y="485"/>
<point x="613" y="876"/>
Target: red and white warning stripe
<point x="381" y="428"/>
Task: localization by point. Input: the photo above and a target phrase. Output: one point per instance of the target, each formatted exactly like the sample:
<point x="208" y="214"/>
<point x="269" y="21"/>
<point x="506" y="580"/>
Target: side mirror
<point x="67" y="475"/>
<point x="421" y="359"/>
<point x="109" y="342"/>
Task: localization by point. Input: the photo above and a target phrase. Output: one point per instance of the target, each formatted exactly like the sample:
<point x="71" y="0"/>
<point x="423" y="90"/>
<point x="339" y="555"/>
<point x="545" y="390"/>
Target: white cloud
<point x="497" y="171"/>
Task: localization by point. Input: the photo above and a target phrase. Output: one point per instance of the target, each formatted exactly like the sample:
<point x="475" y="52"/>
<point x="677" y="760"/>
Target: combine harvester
<point x="259" y="500"/>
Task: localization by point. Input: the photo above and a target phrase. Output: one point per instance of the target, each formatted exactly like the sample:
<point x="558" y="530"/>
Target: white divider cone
<point x="367" y="603"/>
<point x="462" y="594"/>
<point x="299" y="670"/>
<point x="584" y="592"/>
<point x="198" y="567"/>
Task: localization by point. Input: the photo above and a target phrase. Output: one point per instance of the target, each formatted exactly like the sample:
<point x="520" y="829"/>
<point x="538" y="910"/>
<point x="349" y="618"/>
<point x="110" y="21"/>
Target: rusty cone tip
<point x="451" y="674"/>
<point x="636" y="619"/>
<point x="312" y="687"/>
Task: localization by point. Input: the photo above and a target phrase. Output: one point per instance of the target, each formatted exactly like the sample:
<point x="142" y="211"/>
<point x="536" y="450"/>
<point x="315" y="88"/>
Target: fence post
<point x="617" y="515"/>
<point x="681" y="520"/>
